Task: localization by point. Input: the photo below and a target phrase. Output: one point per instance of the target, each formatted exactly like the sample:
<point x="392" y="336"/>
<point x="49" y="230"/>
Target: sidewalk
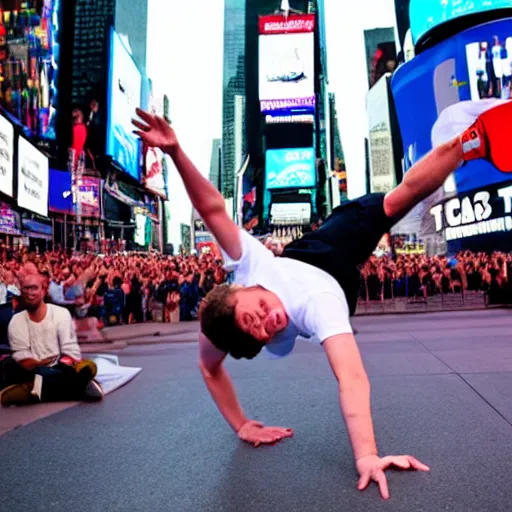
<point x="121" y="336"/>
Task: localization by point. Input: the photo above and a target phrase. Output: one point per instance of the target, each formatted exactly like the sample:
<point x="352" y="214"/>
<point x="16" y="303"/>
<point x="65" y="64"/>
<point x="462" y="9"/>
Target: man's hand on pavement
<point x="372" y="467"/>
<point x="256" y="433"/>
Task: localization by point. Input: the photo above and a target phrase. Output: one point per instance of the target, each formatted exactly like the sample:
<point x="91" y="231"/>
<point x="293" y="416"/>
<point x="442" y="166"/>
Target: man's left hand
<point x="372" y="467"/>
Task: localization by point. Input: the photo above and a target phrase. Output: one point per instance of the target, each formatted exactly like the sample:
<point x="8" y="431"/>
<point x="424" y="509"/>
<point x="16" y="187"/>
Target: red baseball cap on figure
<point x="490" y="137"/>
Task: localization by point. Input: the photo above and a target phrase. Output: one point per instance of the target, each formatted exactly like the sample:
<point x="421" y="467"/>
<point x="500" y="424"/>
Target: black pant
<point x="344" y="242"/>
<point x="60" y="383"/>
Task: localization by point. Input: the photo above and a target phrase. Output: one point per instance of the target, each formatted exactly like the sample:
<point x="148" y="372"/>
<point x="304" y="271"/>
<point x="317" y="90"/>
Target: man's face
<point x="260" y="313"/>
<point x="32" y="291"/>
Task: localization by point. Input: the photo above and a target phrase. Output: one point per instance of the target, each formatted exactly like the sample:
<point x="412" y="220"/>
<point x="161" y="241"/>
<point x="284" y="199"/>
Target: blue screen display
<point x="290" y="168"/>
<point x="447" y="74"/>
<point x="428" y="14"/>
<point x="60" y="198"/>
<point x="125" y="89"/>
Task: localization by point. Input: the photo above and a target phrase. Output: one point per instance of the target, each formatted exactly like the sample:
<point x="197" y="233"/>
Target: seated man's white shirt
<point x="52" y="337"/>
<point x="314" y="301"/>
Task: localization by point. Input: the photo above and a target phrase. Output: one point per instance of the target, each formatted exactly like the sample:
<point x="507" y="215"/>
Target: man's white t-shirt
<point x="314" y="301"/>
<point x="55" y="335"/>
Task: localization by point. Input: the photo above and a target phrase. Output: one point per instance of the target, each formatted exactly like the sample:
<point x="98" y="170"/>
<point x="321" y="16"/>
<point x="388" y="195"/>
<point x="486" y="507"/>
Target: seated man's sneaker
<point x="93" y="392"/>
<point x="490" y="137"/>
<point x="86" y="369"/>
<point x="18" y="394"/>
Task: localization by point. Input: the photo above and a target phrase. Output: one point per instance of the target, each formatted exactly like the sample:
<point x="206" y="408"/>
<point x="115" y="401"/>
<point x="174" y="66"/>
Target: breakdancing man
<point x="312" y="289"/>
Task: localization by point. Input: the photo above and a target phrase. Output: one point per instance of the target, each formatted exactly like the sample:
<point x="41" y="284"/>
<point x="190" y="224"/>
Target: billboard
<point x="125" y="89"/>
<point x="6" y="156"/>
<point x="471" y="217"/>
<point x="278" y="24"/>
<point x="60" y="197"/>
<point x="442" y="76"/>
<point x="382" y="162"/>
<point x="33" y="177"/>
<point x="286" y="67"/>
<point x="154" y="163"/>
<point x="425" y="15"/>
<point x="29" y="54"/>
<point x="290" y="168"/>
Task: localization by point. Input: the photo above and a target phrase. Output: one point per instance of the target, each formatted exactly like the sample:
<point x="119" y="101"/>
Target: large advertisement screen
<point x="469" y="220"/>
<point x="60" y="197"/>
<point x="382" y="162"/>
<point x="29" y="57"/>
<point x="290" y="168"/>
<point x="461" y="68"/>
<point x="125" y="88"/>
<point x="6" y="156"/>
<point x="427" y="14"/>
<point x="33" y="177"/>
<point x="287" y="67"/>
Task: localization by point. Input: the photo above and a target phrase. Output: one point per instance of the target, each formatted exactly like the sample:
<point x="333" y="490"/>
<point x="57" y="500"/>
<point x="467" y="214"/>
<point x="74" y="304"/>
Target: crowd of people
<point x="134" y="288"/>
<point x="115" y="289"/>
<point x="420" y="276"/>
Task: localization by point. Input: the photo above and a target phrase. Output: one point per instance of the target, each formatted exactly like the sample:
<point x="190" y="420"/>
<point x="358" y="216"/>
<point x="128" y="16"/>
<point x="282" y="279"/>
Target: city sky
<point x="185" y="57"/>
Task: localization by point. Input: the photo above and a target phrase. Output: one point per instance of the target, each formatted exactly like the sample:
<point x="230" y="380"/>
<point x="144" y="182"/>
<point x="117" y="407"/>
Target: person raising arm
<point x="209" y="203"/>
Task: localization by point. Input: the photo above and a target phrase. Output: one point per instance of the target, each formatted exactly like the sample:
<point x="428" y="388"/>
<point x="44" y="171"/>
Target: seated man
<point x="311" y="290"/>
<point x="46" y="362"/>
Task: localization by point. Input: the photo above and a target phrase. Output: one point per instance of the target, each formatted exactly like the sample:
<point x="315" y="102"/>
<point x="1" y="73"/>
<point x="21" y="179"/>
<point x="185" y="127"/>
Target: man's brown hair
<point x="218" y="324"/>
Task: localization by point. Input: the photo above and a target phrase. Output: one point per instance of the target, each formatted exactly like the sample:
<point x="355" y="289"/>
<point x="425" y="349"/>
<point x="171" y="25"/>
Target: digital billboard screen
<point x="290" y="168"/>
<point x="125" y="88"/>
<point x="6" y="156"/>
<point x="29" y="57"/>
<point x="33" y="178"/>
<point x="425" y="15"/>
<point x="471" y="66"/>
<point x="286" y="67"/>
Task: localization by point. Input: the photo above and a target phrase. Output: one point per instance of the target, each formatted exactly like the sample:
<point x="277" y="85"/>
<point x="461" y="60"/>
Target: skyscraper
<point x="242" y="134"/>
<point x="233" y="86"/>
<point x="380" y="52"/>
<point x="216" y="164"/>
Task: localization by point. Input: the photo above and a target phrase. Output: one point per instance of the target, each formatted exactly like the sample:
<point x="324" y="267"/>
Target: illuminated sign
<point x="425" y="15"/>
<point x="291" y="103"/>
<point x="290" y="168"/>
<point x="480" y="213"/>
<point x="286" y="67"/>
<point x="285" y="25"/>
<point x="300" y="118"/>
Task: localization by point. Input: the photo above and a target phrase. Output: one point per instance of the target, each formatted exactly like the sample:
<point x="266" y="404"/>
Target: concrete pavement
<point x="441" y="390"/>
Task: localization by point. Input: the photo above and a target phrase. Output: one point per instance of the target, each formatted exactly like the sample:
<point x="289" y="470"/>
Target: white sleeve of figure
<point x="254" y="253"/>
<point x="18" y="336"/>
<point x="66" y="331"/>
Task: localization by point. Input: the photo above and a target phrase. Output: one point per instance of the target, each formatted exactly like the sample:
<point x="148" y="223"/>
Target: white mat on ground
<point x="111" y="375"/>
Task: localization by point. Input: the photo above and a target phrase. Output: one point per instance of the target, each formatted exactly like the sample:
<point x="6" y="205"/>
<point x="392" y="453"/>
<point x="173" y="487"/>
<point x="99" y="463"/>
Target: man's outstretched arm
<point x="221" y="388"/>
<point x="219" y="383"/>
<point x="354" y="388"/>
<point x="206" y="199"/>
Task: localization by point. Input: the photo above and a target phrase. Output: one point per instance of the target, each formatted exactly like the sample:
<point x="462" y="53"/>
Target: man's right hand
<point x="256" y="433"/>
<point x="155" y="131"/>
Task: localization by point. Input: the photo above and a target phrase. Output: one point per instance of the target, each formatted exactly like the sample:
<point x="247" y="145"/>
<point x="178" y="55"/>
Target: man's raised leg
<point x="424" y="178"/>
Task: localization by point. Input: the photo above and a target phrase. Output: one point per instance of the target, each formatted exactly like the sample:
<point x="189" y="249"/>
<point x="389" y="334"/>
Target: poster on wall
<point x="6" y="156"/>
<point x="125" y="89"/>
<point x="33" y="177"/>
<point x="286" y="67"/>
